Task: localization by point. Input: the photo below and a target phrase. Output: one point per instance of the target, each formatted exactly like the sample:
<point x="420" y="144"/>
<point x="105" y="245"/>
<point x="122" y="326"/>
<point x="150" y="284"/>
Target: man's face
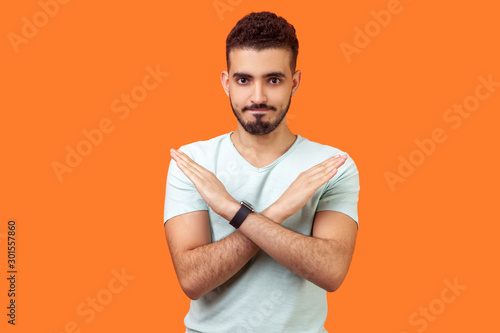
<point x="260" y="86"/>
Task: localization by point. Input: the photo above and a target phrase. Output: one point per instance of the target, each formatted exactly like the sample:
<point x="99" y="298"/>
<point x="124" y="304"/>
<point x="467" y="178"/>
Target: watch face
<point x="247" y="205"/>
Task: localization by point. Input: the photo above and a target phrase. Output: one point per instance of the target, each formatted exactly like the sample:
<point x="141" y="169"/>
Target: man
<point x="260" y="222"/>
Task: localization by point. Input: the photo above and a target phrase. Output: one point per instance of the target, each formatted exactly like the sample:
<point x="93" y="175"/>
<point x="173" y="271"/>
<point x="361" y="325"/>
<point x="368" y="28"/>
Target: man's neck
<point x="262" y="150"/>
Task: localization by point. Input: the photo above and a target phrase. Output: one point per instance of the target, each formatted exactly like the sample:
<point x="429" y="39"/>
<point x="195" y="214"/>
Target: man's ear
<point x="224" y="79"/>
<point x="296" y="81"/>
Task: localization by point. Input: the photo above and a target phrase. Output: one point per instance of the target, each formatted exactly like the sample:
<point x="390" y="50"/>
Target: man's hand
<point x="291" y="201"/>
<point x="210" y="188"/>
<point x="304" y="186"/>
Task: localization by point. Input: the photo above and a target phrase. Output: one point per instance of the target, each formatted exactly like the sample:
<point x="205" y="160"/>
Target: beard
<point x="259" y="126"/>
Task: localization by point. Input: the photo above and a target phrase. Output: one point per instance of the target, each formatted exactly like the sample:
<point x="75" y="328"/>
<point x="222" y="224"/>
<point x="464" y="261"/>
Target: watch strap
<point x="241" y="215"/>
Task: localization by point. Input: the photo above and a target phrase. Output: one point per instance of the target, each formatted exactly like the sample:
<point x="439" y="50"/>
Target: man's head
<point x="261" y="53"/>
<point x="264" y="30"/>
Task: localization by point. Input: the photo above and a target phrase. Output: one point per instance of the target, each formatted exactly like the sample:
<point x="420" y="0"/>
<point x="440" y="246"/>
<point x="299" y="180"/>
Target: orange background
<point x="439" y="225"/>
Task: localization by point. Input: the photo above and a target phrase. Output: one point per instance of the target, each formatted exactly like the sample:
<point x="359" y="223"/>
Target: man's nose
<point x="259" y="94"/>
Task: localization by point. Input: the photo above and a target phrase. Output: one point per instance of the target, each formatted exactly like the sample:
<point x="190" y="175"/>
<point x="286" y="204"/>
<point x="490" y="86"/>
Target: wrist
<point x="230" y="209"/>
<point x="275" y="213"/>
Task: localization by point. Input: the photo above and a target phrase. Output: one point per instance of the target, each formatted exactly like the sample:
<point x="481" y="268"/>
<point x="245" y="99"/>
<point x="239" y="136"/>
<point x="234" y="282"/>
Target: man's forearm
<point x="208" y="266"/>
<point x="323" y="262"/>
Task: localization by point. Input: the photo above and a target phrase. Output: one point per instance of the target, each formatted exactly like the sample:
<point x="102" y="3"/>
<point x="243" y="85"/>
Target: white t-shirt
<point x="263" y="296"/>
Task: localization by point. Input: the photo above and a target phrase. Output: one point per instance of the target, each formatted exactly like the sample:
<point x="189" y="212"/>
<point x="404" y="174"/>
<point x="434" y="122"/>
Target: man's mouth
<point x="259" y="108"/>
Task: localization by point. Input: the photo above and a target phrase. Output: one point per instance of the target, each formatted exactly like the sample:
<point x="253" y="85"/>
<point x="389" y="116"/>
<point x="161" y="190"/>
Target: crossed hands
<point x="291" y="201"/>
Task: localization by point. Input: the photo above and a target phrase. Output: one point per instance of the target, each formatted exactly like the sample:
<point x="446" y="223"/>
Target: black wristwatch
<point x="242" y="214"/>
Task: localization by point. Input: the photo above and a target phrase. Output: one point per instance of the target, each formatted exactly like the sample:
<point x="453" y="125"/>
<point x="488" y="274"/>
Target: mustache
<point x="259" y="107"/>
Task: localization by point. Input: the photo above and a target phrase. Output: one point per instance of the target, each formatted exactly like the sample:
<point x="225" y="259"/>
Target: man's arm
<point x="201" y="265"/>
<point x="323" y="258"/>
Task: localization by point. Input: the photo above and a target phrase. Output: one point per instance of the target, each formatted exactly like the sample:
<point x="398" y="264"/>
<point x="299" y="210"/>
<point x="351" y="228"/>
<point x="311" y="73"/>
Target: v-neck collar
<point x="275" y="162"/>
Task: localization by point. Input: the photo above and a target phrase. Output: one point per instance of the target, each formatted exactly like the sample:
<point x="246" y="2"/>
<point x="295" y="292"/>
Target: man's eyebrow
<point x="271" y="74"/>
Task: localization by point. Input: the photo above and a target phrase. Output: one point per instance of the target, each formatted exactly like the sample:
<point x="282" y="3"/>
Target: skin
<point x="322" y="258"/>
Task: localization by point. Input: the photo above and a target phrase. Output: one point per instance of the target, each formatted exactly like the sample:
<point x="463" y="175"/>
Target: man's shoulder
<point x="314" y="153"/>
<point x="203" y="147"/>
<point x="307" y="146"/>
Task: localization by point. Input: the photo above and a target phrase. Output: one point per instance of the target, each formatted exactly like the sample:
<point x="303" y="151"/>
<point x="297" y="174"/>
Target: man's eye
<point x="242" y="80"/>
<point x="275" y="80"/>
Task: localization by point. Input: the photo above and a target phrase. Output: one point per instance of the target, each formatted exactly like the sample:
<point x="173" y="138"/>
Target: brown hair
<point x="263" y="30"/>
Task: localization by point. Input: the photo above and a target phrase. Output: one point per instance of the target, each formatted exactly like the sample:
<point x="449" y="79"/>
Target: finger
<point x="326" y="165"/>
<point x="329" y="175"/>
<point x="322" y="178"/>
<point x="328" y="170"/>
<point x="340" y="161"/>
<point x="321" y="165"/>
<point x="336" y="162"/>
<point x="332" y="168"/>
<point x="334" y="159"/>
<point x="179" y="155"/>
<point x="173" y="154"/>
<point x="182" y="158"/>
<point x="187" y="165"/>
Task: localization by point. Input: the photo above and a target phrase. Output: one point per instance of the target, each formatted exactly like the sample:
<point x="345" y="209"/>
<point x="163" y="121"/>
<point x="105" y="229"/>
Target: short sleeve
<point x="181" y="195"/>
<point x="341" y="192"/>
